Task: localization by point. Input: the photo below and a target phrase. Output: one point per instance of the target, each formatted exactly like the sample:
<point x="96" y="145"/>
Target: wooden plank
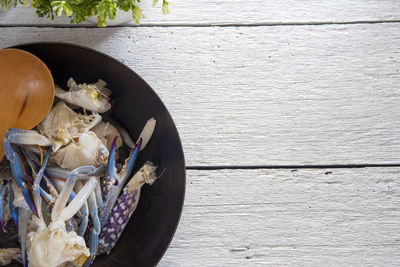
<point x="207" y="12"/>
<point x="324" y="217"/>
<point x="264" y="95"/>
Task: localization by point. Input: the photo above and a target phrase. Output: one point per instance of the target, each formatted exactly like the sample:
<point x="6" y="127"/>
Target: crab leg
<point x="83" y="212"/>
<point x="36" y="184"/>
<point x="147" y="132"/>
<point x="99" y="198"/>
<point x="79" y="200"/>
<point x="64" y="174"/>
<point x="27" y="137"/>
<point x="13" y="210"/>
<point x="9" y="254"/>
<point x="33" y="163"/>
<point x="125" y="207"/>
<point x="67" y="189"/>
<point x="116" y="180"/>
<point x="43" y="193"/>
<point x="94" y="240"/>
<point x="3" y="185"/>
<point x="18" y="174"/>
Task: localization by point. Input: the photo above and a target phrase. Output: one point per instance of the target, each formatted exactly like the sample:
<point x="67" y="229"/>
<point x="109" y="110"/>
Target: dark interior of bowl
<point x="152" y="226"/>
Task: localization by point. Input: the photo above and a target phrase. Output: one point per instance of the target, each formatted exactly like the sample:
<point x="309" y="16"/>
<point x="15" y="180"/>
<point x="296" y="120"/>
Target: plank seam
<point x="174" y="25"/>
<point x="293" y="167"/>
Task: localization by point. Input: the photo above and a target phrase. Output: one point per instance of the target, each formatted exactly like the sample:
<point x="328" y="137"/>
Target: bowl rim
<point x="155" y="94"/>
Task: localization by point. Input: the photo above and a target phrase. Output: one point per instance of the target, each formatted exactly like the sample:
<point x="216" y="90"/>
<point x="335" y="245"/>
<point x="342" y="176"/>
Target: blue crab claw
<point x="125" y="207"/>
<point x="17" y="173"/>
<point x="3" y="185"/>
<point x="117" y="180"/>
<point x="111" y="169"/>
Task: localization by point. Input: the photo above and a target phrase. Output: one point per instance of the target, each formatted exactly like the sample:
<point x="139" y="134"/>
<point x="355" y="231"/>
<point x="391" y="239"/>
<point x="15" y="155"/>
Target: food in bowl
<point x="64" y="172"/>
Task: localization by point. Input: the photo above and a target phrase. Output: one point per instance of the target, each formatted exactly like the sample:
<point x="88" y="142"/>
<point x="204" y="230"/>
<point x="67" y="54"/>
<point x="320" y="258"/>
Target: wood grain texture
<point x="264" y="95"/>
<point x="339" y="217"/>
<point x="211" y="12"/>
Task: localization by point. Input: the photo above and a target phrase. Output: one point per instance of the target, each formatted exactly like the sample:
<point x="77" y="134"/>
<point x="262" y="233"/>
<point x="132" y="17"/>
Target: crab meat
<point x="63" y="124"/>
<point x="93" y="97"/>
<point x="106" y="132"/>
<point x="86" y="150"/>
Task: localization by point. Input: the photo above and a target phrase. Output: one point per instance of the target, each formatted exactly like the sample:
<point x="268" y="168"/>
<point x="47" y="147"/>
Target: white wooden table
<point x="289" y="114"/>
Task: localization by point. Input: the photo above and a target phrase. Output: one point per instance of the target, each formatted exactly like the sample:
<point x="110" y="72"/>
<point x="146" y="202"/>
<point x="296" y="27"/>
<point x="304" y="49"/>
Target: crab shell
<point x="63" y="124"/>
<point x="88" y="150"/>
<point x="53" y="246"/>
<point x="93" y="97"/>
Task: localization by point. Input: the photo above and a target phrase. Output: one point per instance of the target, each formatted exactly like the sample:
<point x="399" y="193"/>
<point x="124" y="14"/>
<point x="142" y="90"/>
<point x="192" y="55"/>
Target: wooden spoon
<point x="26" y="91"/>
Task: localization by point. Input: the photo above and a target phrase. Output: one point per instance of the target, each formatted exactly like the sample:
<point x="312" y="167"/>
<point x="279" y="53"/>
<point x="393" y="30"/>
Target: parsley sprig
<point x="79" y="10"/>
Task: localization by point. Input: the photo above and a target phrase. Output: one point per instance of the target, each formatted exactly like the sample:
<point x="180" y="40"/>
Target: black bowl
<point x="153" y="224"/>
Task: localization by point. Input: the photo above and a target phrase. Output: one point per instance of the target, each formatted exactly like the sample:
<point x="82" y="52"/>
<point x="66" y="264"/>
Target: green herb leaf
<point x="61" y="6"/>
<point x="105" y="9"/>
<point x="165" y="7"/>
<point x="137" y="14"/>
<point x="5" y="4"/>
<point x="79" y="10"/>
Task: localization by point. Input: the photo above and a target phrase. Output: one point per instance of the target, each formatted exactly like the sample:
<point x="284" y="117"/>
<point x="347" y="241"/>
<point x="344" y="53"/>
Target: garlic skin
<point x="106" y="132"/>
<point x="63" y="124"/>
<point x="86" y="150"/>
<point x="93" y="97"/>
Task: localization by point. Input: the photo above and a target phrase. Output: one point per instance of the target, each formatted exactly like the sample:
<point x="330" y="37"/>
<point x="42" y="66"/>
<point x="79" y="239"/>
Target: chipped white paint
<point x="264" y="95"/>
<point x="325" y="217"/>
<point x="205" y="12"/>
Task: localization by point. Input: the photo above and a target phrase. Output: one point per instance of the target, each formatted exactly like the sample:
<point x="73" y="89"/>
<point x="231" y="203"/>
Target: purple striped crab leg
<point x="116" y="180"/>
<point x="125" y="207"/>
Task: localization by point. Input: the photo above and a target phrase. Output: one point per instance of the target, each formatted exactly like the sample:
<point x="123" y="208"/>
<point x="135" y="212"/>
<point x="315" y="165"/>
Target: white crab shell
<point x="106" y="132"/>
<point x="53" y="246"/>
<point x="63" y="124"/>
<point x="93" y="97"/>
<point x="85" y="150"/>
